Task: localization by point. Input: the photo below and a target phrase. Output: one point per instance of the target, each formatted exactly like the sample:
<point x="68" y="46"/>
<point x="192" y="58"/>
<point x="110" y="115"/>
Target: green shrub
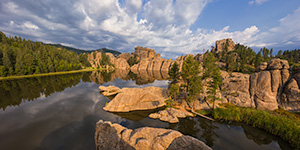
<point x="280" y="122"/>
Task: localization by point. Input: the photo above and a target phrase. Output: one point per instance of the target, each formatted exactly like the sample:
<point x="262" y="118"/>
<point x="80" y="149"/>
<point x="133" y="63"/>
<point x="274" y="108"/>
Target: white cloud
<point x="29" y="25"/>
<point x="286" y="33"/>
<point x="258" y="2"/>
<point x="160" y="24"/>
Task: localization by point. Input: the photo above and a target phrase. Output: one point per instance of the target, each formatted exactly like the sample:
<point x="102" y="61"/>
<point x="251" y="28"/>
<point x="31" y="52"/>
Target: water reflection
<point x="140" y="78"/>
<point x="12" y="92"/>
<point x="60" y="112"/>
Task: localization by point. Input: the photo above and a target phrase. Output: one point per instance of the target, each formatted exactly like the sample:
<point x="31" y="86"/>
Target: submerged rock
<point x="116" y="137"/>
<point x="130" y="99"/>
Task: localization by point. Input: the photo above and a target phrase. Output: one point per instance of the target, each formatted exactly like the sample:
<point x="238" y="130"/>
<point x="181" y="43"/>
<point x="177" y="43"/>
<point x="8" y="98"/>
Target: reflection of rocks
<point x="100" y="77"/>
<point x="115" y="136"/>
<point x="170" y="115"/>
<point x="130" y="99"/>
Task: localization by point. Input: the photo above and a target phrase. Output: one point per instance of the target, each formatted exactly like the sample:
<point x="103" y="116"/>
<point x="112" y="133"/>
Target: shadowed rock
<point x="117" y="137"/>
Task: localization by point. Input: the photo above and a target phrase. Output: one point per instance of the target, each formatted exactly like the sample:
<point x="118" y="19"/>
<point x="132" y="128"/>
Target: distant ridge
<point x="79" y="51"/>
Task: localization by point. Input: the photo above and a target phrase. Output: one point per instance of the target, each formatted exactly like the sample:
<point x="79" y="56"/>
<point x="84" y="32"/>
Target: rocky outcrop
<point x="144" y="53"/>
<point x="261" y="90"/>
<point x="236" y="88"/>
<point x="290" y="97"/>
<point x="94" y="58"/>
<point x="170" y="115"/>
<point x="130" y="99"/>
<point x="120" y="63"/>
<point x="117" y="137"/>
<point x="125" y="56"/>
<point x="222" y="44"/>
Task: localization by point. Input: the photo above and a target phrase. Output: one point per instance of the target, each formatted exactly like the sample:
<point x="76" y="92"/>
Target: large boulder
<point x="121" y="63"/>
<point x="277" y="64"/>
<point x="130" y="99"/>
<point x="236" y="89"/>
<point x="261" y="91"/>
<point x="116" y="137"/>
<point x="290" y="99"/>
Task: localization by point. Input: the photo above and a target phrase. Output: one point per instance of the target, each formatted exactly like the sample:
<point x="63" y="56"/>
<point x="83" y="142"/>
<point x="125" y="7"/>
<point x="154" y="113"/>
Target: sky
<point x="171" y="27"/>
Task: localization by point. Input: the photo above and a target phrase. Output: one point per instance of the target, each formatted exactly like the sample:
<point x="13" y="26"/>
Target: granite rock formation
<point x="170" y="115"/>
<point x="116" y="137"/>
<point x="222" y="44"/>
<point x="130" y="99"/>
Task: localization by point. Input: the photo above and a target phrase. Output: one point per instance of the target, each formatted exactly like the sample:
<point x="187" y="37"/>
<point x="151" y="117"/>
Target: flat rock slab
<point x="170" y="115"/>
<point x="130" y="99"/>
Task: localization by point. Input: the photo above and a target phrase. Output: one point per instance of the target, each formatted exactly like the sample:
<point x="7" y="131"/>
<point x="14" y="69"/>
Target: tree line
<point x="23" y="57"/>
<point x="245" y="59"/>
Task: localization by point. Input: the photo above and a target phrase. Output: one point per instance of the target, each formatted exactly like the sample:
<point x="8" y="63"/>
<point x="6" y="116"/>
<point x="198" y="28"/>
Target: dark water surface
<point x="60" y="112"/>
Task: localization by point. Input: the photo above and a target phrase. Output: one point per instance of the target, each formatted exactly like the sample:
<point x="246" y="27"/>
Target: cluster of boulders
<point x="150" y="64"/>
<point x="117" y="137"/>
<point x="259" y="90"/>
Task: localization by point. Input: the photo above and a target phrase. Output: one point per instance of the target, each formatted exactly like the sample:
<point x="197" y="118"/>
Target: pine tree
<point x="190" y="75"/>
<point x="213" y="86"/>
<point x="174" y="73"/>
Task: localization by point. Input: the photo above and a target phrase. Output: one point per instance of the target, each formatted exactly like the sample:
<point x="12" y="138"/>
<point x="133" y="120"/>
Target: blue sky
<point x="171" y="27"/>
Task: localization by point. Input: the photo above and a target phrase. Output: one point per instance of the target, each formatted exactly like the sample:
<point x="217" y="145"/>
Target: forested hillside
<point x="80" y="51"/>
<point x="22" y="57"/>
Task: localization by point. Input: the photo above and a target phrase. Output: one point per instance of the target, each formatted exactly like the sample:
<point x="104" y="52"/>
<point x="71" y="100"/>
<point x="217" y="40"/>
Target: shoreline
<point x="47" y="74"/>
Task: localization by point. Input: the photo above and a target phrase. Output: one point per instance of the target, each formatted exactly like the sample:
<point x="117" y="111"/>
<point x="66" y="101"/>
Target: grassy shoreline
<point x="279" y="122"/>
<point x="48" y="74"/>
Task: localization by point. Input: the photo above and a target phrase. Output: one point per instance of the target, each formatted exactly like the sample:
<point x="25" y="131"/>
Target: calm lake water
<point x="60" y="112"/>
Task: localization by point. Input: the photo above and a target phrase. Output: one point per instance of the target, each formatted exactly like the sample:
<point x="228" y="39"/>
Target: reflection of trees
<point x="208" y="133"/>
<point x="12" y="92"/>
<point x="261" y="137"/>
<point x="200" y="128"/>
<point x="188" y="126"/>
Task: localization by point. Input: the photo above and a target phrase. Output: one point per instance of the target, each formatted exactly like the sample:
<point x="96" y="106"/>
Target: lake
<point x="61" y="111"/>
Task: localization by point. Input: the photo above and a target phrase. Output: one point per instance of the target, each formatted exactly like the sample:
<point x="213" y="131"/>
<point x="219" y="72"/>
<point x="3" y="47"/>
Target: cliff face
<point x="265" y="89"/>
<point x="120" y="62"/>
